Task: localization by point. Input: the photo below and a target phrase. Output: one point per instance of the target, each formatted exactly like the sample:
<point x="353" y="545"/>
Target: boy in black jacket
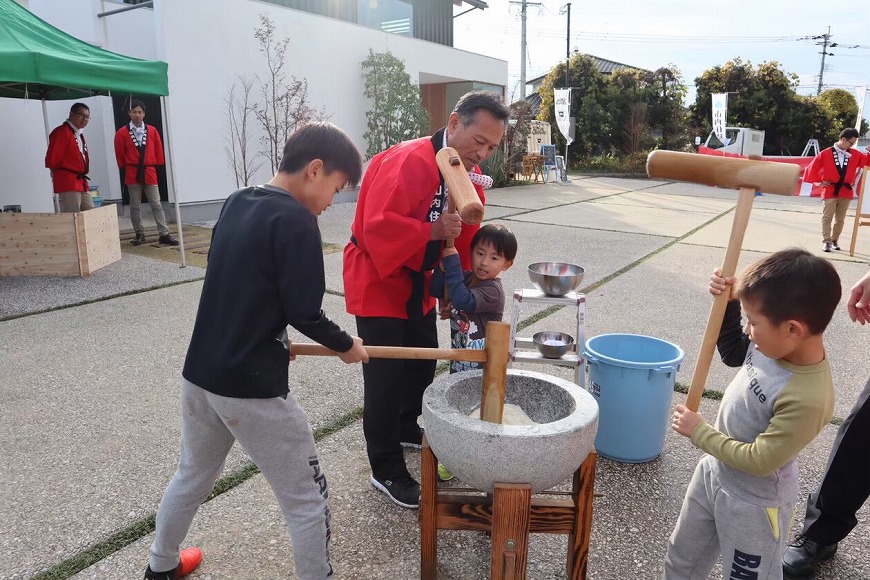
<point x="265" y="272"/>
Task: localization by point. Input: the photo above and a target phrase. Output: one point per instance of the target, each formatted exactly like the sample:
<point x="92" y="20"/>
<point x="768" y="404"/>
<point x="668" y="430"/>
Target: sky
<point x="693" y="35"/>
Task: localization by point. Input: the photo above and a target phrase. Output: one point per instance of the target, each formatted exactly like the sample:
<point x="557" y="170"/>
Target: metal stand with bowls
<point x="556" y="284"/>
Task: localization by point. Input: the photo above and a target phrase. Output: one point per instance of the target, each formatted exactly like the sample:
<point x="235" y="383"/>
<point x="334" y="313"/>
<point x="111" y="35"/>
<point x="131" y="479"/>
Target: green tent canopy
<point x="39" y="61"/>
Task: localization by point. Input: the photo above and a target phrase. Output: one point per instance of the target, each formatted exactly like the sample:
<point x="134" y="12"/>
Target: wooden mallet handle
<point x="747" y="175"/>
<point x="403" y="352"/>
<point x="497" y="349"/>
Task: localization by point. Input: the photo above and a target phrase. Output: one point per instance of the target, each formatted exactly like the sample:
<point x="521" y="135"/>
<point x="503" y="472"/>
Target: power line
<point x="824" y="40"/>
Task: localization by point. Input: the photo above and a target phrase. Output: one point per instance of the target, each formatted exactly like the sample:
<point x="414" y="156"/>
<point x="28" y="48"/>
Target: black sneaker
<point x="835" y="246"/>
<point x="803" y="555"/>
<point x="404" y="491"/>
<point x="167" y="240"/>
<point x="139" y="240"/>
<point x="412" y="440"/>
<point x="827" y="247"/>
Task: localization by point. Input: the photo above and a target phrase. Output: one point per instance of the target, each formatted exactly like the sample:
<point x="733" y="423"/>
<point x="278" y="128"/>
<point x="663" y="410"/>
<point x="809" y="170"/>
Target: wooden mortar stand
<point x="746" y="175"/>
<point x="510" y="514"/>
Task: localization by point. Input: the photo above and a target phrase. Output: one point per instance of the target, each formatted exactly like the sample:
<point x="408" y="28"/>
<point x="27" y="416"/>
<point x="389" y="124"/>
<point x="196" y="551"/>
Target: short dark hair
<point x="78" y="107"/>
<point x="792" y="284"/>
<point x="137" y="103"/>
<point x="326" y="142"/>
<point x="502" y="240"/>
<point x="849" y="133"/>
<point x="470" y="103"/>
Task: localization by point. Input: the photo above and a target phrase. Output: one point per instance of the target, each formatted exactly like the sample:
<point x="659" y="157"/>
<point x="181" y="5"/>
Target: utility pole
<point x="823" y="40"/>
<point x="824" y="43"/>
<point x="567" y="8"/>
<point x="523" y="53"/>
<point x="523" y="4"/>
<point x="568" y="48"/>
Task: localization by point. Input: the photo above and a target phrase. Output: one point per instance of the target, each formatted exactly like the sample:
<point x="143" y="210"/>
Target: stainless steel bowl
<point x="553" y="344"/>
<point x="555" y="278"/>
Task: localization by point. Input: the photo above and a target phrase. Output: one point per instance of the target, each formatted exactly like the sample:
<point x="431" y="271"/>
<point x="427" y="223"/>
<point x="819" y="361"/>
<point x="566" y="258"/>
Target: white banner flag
<point x="562" y="98"/>
<point x="860" y="95"/>
<point x="720" y="114"/>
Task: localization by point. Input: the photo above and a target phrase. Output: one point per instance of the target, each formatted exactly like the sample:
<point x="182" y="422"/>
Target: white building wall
<point x="208" y="44"/>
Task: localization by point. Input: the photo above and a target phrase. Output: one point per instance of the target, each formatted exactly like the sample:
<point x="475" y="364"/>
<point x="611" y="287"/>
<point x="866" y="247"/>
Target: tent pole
<point x="54" y="196"/>
<point x="167" y="138"/>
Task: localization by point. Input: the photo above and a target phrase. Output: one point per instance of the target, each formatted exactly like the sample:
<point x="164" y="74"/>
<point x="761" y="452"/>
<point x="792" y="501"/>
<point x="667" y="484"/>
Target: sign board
<point x="539" y="134"/>
<point x="862" y="214"/>
<point x="560" y="169"/>
<point x="549" y="153"/>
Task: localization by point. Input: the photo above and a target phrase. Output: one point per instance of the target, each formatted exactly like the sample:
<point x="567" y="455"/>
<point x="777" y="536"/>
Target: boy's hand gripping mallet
<point x="746" y="175"/>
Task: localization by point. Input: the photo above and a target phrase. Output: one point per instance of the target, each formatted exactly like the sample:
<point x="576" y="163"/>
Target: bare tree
<point x="239" y="110"/>
<point x="636" y="127"/>
<point x="285" y="105"/>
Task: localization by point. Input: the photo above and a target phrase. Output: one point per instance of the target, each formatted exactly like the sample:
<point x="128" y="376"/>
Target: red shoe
<point x="189" y="560"/>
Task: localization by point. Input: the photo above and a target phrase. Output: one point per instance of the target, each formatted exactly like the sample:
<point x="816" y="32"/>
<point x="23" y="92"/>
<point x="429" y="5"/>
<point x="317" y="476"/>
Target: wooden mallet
<point x="746" y="175"/>
<point x="461" y="195"/>
<point x="495" y="357"/>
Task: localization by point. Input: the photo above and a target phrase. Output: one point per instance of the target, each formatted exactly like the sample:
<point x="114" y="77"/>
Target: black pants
<point x="831" y="509"/>
<point x="394" y="388"/>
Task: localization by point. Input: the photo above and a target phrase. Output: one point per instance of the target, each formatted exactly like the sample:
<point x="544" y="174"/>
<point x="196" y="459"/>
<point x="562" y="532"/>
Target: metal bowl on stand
<point x="553" y="344"/>
<point x="556" y="278"/>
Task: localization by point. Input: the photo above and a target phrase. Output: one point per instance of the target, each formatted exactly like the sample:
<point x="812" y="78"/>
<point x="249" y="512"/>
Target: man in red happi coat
<point x="67" y="158"/>
<point x="139" y="151"/>
<point x="835" y="169"/>
<point x="396" y="239"/>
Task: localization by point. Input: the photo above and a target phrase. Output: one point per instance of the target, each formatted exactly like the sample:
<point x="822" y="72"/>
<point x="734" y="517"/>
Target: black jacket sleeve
<point x="301" y="281"/>
<point x="733" y="343"/>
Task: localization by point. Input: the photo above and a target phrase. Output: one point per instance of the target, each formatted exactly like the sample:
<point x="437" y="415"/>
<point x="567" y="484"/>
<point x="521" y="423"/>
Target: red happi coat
<point x="68" y="166"/>
<point x="390" y="231"/>
<point x="823" y="168"/>
<point x="128" y="155"/>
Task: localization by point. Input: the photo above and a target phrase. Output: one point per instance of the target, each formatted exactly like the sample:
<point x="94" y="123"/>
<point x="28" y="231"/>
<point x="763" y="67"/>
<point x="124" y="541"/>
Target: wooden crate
<point x="58" y="244"/>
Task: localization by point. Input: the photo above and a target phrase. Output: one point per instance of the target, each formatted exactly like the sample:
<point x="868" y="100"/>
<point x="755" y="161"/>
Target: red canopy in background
<point x="803" y="188"/>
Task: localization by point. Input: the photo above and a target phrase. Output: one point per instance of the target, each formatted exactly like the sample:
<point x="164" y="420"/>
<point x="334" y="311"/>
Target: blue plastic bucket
<point x="632" y="377"/>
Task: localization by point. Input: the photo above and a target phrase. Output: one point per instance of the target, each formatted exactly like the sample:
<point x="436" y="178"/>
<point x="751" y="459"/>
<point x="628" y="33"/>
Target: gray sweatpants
<point x="750" y="538"/>
<point x="276" y="435"/>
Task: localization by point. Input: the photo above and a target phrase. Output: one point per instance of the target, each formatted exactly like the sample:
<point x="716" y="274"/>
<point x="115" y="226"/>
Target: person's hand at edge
<point x="859" y="301"/>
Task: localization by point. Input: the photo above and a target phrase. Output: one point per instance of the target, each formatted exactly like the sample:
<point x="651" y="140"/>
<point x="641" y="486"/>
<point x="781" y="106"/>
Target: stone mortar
<point x="481" y="453"/>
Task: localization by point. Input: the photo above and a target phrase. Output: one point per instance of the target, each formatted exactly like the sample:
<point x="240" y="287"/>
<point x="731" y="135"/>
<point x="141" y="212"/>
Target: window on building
<point x="394" y="16"/>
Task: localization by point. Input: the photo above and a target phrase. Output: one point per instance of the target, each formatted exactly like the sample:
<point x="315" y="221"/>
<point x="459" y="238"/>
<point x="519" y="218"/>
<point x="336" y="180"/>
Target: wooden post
<point x="428" y="504"/>
<point x="583" y="490"/>
<point x="860" y="215"/>
<point x="510" y="530"/>
<point x="497" y="348"/>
